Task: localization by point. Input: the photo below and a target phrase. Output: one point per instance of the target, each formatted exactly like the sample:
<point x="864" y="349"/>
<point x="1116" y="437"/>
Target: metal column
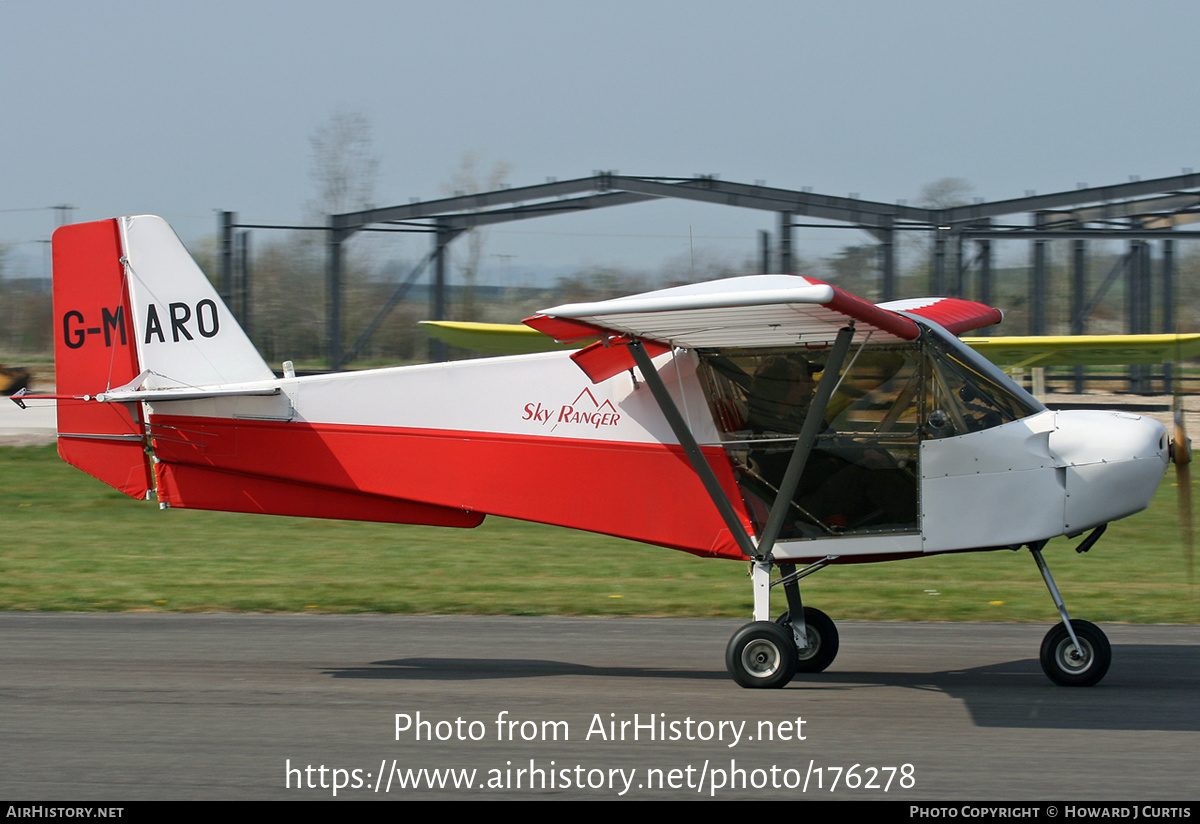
<point x="1037" y="282"/>
<point x="437" y="300"/>
<point x="1078" y="293"/>
<point x="887" y="258"/>
<point x="937" y="285"/>
<point x="785" y="243"/>
<point x="1168" y="307"/>
<point x="226" y="230"/>
<point x="985" y="265"/>
<point x="1137" y="297"/>
<point x="333" y="288"/>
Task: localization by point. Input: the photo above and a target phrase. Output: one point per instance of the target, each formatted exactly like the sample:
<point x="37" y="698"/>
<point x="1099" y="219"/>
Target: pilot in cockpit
<point x="780" y="394"/>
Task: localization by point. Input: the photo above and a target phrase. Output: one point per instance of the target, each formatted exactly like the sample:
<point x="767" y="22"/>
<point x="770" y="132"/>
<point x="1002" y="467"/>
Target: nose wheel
<point x="1078" y="662"/>
<point x="1074" y="653"/>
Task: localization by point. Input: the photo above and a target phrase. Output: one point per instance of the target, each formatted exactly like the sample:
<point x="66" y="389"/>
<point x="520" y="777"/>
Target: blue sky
<point x="181" y="109"/>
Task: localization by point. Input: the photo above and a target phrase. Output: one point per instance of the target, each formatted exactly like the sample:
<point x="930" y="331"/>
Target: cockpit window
<point x="969" y="394"/>
<point x="760" y="395"/>
<point x="880" y="392"/>
<point x="862" y="476"/>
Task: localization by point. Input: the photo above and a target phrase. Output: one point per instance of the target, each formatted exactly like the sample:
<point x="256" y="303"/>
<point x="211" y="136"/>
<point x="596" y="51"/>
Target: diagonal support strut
<point x="692" y="449"/>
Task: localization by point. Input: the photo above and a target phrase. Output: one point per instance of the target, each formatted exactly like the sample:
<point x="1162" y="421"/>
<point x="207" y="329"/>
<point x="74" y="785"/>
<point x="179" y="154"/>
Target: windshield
<point x="967" y="392"/>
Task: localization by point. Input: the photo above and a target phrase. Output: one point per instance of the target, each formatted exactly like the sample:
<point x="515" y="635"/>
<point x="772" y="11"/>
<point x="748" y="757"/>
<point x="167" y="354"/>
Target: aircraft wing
<point x="760" y="310"/>
<point x="777" y="310"/>
<point x="492" y="338"/>
<point x="753" y="311"/>
<point x="1085" y="350"/>
<point x="1007" y="352"/>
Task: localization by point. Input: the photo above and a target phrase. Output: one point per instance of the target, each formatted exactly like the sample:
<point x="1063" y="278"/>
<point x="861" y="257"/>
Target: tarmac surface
<point x="147" y="706"/>
<point x="34" y="425"/>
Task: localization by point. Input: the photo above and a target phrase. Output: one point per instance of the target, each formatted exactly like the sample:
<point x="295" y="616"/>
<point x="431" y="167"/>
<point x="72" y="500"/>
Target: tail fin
<point x="132" y="308"/>
<point x="186" y="334"/>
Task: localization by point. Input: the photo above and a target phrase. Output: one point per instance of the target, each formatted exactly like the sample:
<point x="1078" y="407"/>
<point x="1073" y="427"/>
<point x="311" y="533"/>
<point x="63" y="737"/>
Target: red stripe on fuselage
<point x="646" y="492"/>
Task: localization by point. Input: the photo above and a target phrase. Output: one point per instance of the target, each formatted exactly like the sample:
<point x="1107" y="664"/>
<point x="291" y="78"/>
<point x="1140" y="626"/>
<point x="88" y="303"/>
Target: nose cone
<point x="1113" y="463"/>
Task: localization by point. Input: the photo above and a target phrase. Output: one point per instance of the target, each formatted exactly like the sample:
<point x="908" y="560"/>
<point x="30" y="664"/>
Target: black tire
<point x="761" y="655"/>
<point x="1062" y="663"/>
<point x="822" y="640"/>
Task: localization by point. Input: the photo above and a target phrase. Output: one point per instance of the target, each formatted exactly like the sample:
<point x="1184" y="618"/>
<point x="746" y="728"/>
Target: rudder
<point x="94" y="350"/>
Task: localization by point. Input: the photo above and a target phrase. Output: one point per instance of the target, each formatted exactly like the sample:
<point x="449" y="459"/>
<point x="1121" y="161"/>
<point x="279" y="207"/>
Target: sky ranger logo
<point x="585" y="410"/>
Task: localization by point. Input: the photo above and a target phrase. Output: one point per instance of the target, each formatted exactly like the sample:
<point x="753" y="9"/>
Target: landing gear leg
<point x="766" y="654"/>
<point x="1074" y="653"/>
<point x="820" y="635"/>
<point x="791" y="588"/>
<point x="762" y="654"/>
<point x="815" y="633"/>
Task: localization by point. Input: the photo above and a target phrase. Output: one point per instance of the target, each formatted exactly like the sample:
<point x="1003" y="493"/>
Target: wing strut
<point x="795" y="468"/>
<point x="692" y="449"/>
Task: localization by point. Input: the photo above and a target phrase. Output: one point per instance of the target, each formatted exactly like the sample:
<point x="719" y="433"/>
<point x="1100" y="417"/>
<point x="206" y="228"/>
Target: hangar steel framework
<point x="1140" y="212"/>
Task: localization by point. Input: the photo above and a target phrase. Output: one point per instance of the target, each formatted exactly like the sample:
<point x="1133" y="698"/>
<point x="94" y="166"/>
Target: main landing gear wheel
<point x="1071" y="666"/>
<point x="761" y="655"/>
<point x="822" y="640"/>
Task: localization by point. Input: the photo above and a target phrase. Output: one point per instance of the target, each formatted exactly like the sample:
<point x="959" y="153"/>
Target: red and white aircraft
<point x="695" y="421"/>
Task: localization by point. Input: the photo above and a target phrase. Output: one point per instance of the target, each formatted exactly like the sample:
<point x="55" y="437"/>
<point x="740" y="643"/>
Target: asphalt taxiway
<point x="147" y="706"/>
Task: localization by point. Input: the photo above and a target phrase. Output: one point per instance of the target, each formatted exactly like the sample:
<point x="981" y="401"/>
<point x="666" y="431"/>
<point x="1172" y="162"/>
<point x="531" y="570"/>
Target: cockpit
<point x="862" y="477"/>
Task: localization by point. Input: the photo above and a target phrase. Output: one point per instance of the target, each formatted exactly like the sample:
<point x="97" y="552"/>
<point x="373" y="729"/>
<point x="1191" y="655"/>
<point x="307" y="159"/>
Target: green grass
<point x="71" y="543"/>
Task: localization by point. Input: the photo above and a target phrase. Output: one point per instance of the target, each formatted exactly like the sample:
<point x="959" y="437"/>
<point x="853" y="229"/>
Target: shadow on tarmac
<point x="1149" y="687"/>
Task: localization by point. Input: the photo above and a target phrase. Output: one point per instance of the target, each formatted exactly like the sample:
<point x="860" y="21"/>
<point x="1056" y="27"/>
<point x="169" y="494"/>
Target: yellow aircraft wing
<point x="1085" y="350"/>
<point x="1005" y="352"/>
<point x="493" y="338"/>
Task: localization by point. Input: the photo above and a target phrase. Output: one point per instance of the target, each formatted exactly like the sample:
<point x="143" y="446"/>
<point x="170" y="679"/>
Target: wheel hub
<point x="1077" y="658"/>
<point x="760" y="658"/>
